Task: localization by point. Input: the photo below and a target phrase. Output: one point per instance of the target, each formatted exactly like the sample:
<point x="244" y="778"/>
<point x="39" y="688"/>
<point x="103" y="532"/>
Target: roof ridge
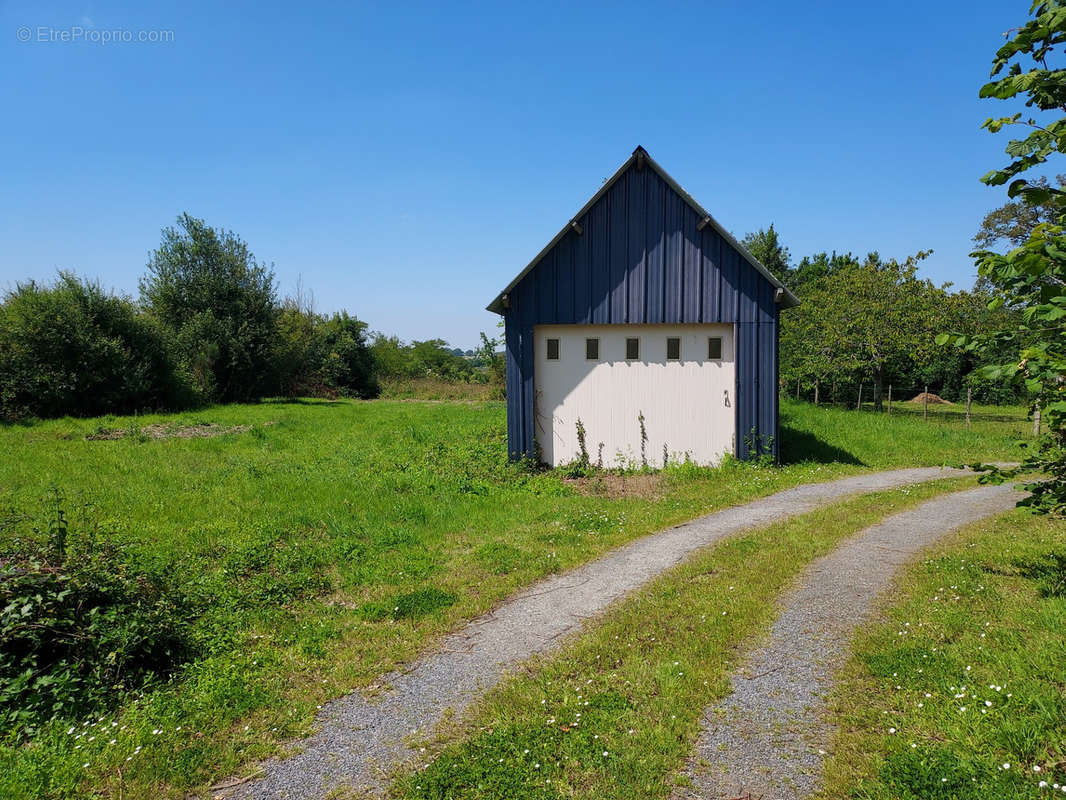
<point x="641" y="156"/>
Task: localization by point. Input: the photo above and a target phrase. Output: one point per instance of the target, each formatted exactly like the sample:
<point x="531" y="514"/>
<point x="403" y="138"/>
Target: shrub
<point x="324" y="356"/>
<point x="81" y="623"/>
<point x="343" y="353"/>
<point x="72" y="348"/>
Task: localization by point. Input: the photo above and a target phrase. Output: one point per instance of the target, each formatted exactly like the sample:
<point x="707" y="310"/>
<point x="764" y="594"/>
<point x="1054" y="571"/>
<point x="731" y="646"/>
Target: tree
<point x="222" y="305"/>
<point x="819" y="265"/>
<point x="865" y="322"/>
<point x="1015" y="221"/>
<point x="1032" y="277"/>
<point x="766" y="246"/>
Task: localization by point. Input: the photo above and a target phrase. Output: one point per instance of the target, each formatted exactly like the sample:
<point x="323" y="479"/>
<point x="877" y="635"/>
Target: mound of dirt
<point x="928" y="397"/>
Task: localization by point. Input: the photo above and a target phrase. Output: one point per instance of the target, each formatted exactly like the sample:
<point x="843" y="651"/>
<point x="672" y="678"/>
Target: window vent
<point x="673" y="348"/>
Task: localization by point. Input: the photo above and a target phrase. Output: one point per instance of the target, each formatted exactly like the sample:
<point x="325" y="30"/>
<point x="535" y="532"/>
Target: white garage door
<point x="679" y="378"/>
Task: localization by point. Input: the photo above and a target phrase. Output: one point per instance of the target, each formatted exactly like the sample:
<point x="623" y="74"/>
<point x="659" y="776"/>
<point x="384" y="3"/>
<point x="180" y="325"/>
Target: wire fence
<point x="921" y="401"/>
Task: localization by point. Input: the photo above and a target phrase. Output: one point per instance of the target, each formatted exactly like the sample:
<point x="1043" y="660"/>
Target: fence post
<point x="797" y="388"/>
<point x="858" y="405"/>
<point x="969" y="399"/>
<point x="925" y="403"/>
<point x="1036" y="422"/>
<point x="816" y="392"/>
<point x="890" y="398"/>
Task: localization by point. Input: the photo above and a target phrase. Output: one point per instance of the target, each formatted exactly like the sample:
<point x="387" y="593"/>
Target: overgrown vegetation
<point x="316" y="545"/>
<point x="72" y="348"/>
<point x="957" y="693"/>
<point x="81" y="623"/>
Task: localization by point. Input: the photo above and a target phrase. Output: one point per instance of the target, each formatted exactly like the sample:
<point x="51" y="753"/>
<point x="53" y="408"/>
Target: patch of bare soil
<point x="159" y="431"/>
<point x="610" y="484"/>
<point x="932" y="399"/>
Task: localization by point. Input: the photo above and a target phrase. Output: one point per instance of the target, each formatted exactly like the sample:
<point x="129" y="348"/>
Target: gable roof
<point x="789" y="300"/>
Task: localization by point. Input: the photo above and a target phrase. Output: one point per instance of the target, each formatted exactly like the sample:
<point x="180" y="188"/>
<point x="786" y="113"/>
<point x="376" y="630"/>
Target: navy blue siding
<point x="641" y="259"/>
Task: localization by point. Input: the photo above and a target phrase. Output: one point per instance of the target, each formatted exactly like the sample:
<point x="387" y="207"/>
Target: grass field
<point x="323" y="543"/>
<point x="958" y="693"/>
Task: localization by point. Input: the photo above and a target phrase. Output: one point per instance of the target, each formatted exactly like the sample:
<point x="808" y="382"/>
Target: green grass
<point x="902" y="437"/>
<point x="328" y="542"/>
<point x="637" y="683"/>
<point x="959" y="692"/>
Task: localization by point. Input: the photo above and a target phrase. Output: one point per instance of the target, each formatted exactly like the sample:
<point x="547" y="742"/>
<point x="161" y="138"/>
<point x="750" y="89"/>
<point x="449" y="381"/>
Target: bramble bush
<point x="81" y="623"/>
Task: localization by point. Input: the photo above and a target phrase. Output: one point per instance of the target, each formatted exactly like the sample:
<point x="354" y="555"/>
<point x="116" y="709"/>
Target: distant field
<point x="329" y="541"/>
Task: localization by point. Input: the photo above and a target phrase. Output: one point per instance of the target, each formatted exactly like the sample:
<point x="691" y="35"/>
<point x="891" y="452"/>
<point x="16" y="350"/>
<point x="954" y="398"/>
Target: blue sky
<point x="407" y="160"/>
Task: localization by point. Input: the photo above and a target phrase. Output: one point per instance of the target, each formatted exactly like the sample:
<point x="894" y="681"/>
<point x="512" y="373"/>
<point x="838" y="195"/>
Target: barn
<point x="642" y="331"/>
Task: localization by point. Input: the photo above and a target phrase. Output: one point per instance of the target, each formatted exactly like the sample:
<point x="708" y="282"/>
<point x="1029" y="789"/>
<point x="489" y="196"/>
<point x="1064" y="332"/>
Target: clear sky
<point x="407" y="160"/>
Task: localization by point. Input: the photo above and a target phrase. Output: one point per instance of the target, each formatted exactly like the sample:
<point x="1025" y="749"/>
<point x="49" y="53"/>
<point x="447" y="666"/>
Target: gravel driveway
<point x="360" y="740"/>
<point x="767" y="739"/>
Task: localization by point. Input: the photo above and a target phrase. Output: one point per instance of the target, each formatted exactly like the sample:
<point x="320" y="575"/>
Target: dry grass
<point x="436" y="389"/>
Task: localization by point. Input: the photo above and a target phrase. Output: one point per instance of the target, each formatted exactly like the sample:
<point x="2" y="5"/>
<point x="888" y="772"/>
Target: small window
<point x="673" y="348"/>
<point x="714" y="348"/>
<point x="632" y="349"/>
<point x="592" y="349"/>
<point x="553" y="349"/>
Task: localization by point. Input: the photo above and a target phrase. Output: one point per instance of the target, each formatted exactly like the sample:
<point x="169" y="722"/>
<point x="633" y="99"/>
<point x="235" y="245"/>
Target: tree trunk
<point x="879" y="389"/>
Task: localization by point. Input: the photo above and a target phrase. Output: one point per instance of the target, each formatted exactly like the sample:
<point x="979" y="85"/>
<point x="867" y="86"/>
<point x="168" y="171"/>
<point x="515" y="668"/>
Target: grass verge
<point x="616" y="712"/>
<point x="959" y="692"/>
